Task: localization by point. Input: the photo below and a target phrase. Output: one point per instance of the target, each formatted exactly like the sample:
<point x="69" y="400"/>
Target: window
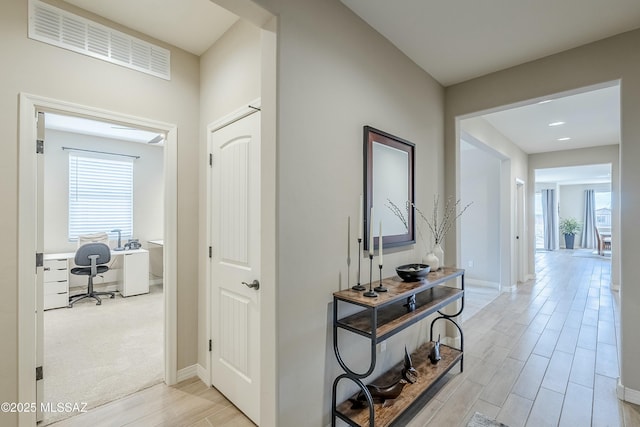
<point x="100" y="195"/>
<point x="603" y="209"/>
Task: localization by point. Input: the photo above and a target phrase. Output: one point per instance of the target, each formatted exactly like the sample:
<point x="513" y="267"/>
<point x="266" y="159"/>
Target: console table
<point x="381" y="317"/>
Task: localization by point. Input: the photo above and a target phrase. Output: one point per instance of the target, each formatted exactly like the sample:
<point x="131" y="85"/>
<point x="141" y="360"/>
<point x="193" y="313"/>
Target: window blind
<point x="100" y="195"/>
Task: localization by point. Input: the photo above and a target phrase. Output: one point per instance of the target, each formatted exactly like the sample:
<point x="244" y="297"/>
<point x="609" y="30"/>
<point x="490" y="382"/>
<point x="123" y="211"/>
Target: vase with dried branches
<point x="440" y="227"/>
<point x="436" y="225"/>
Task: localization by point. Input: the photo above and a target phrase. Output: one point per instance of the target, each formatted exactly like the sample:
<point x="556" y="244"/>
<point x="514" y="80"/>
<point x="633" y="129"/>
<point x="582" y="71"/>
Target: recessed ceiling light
<point x="566" y="138"/>
<point x="556" y="123"/>
<point x="545" y="101"/>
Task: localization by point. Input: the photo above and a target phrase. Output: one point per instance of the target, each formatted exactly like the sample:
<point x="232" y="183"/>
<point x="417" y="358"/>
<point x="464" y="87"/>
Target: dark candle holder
<point x="380" y="288"/>
<point x="359" y="287"/>
<point x="370" y="293"/>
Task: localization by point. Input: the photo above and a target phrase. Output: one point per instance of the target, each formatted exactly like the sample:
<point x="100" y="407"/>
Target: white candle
<point x="348" y="238"/>
<point x="380" y="245"/>
<point x="361" y="221"/>
<point x="371" y="232"/>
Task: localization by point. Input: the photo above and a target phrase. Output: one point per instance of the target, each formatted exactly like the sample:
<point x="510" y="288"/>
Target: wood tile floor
<point x="543" y="355"/>
<point x="188" y="404"/>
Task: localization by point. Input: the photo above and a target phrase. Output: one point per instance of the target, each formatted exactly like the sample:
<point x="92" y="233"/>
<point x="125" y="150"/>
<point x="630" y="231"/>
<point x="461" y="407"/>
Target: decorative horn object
<point x="379" y="394"/>
<point x="409" y="373"/>
<point x="434" y="354"/>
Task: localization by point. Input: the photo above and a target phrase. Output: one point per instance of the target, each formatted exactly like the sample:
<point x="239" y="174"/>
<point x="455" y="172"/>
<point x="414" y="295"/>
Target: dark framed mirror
<point x="388" y="182"/>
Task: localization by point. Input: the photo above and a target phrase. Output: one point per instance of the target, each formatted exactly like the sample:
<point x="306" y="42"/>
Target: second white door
<point x="235" y="269"/>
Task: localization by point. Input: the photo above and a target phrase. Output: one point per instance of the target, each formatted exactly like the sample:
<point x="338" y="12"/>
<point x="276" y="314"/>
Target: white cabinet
<point x="135" y="273"/>
<point x="56" y="283"/>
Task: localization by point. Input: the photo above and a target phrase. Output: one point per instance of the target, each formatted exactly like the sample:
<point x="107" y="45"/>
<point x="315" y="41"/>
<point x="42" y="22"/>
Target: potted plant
<point x="569" y="227"/>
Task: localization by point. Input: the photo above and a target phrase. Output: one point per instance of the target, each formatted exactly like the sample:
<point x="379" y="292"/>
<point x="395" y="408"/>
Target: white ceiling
<point x="192" y="25"/>
<point x="457" y="40"/>
<point x="590" y="119"/>
<point x="102" y="129"/>
<point x="452" y="40"/>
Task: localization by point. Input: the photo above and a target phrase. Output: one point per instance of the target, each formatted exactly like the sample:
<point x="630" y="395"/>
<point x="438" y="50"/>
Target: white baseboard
<point x="155" y="281"/>
<point x="193" y="371"/>
<point x="483" y="283"/>
<point x="627" y="394"/>
<point x="186" y="373"/>
<point x="204" y="376"/>
<point x="510" y="288"/>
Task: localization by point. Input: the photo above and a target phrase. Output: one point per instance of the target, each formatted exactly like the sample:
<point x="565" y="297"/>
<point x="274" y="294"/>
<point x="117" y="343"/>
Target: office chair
<point x="90" y="259"/>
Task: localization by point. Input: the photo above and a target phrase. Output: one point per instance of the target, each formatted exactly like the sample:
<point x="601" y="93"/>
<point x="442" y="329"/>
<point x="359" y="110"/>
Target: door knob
<point x="253" y="285"/>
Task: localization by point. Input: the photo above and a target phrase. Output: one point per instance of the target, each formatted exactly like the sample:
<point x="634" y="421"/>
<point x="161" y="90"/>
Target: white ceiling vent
<point x="63" y="29"/>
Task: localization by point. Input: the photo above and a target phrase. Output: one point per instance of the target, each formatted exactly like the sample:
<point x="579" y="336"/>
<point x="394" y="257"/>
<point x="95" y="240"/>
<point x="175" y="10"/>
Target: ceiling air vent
<point x="63" y="29"/>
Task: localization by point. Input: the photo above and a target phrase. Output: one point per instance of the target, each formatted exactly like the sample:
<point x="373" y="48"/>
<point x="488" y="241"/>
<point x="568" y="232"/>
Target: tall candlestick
<point x="349" y="239"/>
<point x="360" y="222"/>
<point x="371" y="232"/>
<point x="380" y="245"/>
<point x="380" y="287"/>
<point x="348" y="251"/>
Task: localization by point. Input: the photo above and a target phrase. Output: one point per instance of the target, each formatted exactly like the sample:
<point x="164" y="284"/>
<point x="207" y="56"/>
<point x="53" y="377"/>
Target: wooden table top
<point x="398" y="288"/>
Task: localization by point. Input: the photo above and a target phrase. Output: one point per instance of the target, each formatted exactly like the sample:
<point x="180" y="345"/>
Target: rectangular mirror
<point x="388" y="179"/>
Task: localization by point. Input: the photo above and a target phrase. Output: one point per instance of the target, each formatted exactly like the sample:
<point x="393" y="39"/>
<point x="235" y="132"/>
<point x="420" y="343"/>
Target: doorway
<point x="30" y="233"/>
<point x="108" y="178"/>
<point x="581" y="193"/>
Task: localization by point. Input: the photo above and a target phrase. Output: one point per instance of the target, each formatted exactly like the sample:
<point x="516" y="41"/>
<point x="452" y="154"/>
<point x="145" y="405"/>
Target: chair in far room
<point x="91" y="259"/>
<point x="603" y="241"/>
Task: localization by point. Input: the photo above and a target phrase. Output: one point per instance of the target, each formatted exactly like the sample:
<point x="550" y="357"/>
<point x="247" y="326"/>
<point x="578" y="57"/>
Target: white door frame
<point x="521" y="237"/>
<point x="234" y="116"/>
<point x="27" y="161"/>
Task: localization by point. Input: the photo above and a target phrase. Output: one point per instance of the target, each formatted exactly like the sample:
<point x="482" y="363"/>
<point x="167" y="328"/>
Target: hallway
<point x="544" y="355"/>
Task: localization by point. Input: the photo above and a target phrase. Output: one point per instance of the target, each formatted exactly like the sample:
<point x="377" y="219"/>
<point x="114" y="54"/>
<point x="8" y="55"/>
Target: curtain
<point x="589" y="223"/>
<point x="549" y="219"/>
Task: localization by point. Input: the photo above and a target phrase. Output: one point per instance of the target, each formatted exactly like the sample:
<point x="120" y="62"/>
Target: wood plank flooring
<point x="543" y="355"/>
<point x="189" y="404"/>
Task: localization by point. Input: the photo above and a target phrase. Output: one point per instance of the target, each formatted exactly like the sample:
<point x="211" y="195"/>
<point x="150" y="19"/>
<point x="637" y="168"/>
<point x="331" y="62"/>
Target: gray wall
<point x="603" y="61"/>
<point x="229" y="79"/>
<point x="44" y="70"/>
<point x="335" y="75"/>
<point x="480" y="224"/>
<point x="514" y="166"/>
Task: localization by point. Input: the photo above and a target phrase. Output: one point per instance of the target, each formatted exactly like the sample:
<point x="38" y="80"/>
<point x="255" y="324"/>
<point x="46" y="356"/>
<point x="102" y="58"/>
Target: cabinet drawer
<point x="56" y="300"/>
<point x="55" y="275"/>
<point x="55" y="264"/>
<point x="56" y="287"/>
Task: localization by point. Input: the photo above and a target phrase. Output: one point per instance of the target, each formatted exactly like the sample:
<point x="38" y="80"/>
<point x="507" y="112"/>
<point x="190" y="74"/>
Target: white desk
<point x="133" y="280"/>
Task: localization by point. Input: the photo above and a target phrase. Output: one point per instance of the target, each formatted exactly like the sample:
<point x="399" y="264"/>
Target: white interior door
<point x="235" y="241"/>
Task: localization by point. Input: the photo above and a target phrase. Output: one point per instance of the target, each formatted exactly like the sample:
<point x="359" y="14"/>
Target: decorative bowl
<point x="412" y="272"/>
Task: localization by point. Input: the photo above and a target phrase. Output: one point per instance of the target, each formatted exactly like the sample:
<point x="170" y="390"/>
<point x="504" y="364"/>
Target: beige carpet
<point x="96" y="354"/>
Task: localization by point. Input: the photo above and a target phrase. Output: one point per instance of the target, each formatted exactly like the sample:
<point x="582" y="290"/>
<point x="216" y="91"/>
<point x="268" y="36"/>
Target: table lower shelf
<point x="428" y="374"/>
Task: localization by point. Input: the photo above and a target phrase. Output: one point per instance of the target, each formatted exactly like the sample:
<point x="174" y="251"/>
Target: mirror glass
<point x="388" y="185"/>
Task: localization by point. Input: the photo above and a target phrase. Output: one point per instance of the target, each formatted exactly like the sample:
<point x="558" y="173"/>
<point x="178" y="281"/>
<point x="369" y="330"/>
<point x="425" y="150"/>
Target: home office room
<point x="103" y="329"/>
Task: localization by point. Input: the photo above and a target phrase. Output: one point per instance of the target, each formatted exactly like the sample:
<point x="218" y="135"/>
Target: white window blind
<point x="100" y="195"/>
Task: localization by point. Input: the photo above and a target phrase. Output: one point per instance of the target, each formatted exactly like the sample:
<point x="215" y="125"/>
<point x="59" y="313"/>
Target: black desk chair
<point x="90" y="259"/>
